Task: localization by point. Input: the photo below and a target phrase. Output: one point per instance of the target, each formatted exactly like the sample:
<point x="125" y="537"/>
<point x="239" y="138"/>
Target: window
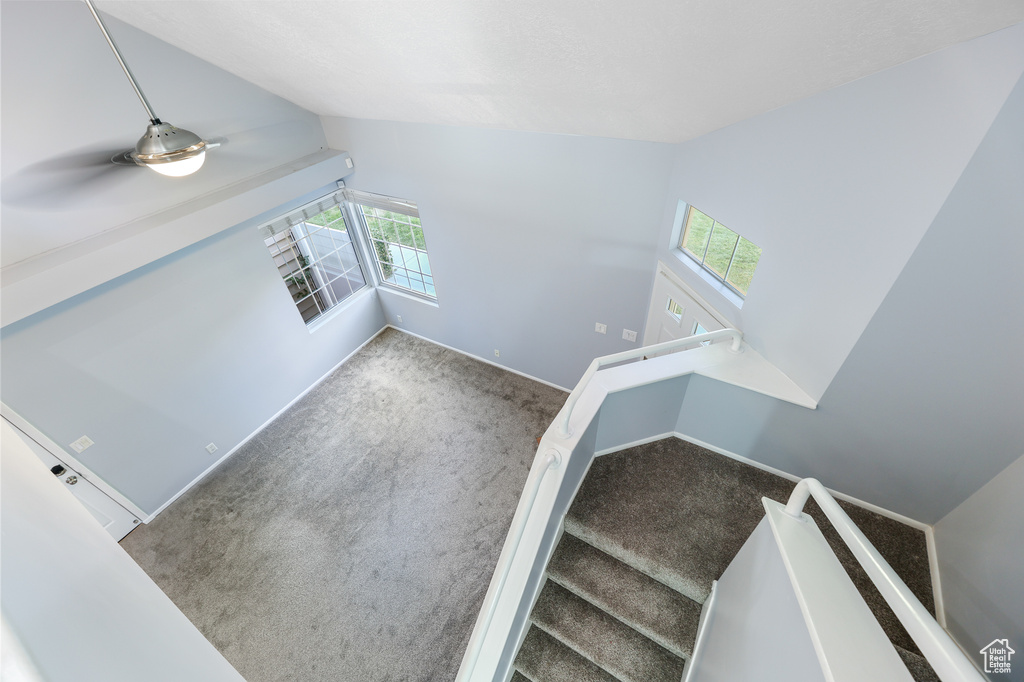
<point x="674" y="309"/>
<point x="719" y="251"/>
<point x="313" y="250"/>
<point x="395" y="235"/>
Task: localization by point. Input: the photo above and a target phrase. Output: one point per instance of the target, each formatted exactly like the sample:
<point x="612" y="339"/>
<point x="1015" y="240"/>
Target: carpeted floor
<point x="353" y="539"/>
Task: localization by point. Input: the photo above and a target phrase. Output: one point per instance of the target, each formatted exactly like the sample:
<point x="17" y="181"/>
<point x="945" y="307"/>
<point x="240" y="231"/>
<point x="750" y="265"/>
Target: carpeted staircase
<point x="650" y="529"/>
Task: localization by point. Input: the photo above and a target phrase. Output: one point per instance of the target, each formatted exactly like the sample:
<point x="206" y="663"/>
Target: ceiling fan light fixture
<point x="169" y="150"/>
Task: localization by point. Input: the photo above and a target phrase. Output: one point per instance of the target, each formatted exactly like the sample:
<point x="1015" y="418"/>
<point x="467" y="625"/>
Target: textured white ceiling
<point x="661" y="70"/>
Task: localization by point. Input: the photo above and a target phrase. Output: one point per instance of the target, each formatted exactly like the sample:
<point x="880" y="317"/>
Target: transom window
<point x="393" y="229"/>
<point x="728" y="257"/>
<point x="315" y="255"/>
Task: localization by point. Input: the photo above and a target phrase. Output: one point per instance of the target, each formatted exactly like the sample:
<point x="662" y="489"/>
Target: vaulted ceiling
<point x="658" y="70"/>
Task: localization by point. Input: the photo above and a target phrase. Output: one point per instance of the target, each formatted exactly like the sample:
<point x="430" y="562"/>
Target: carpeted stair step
<point x="517" y="677"/>
<point x="602" y="639"/>
<point x="919" y="668"/>
<point x="646" y="605"/>
<point x="542" y="658"/>
<point x="671" y="510"/>
<point x="679" y="513"/>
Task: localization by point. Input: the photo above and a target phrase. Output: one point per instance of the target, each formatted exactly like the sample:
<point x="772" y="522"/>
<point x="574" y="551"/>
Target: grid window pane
<point x="742" y="269"/>
<point x="698" y="228"/>
<point x="730" y="258"/>
<point x="317" y="260"/>
<point x="400" y="249"/>
<point x="720" y="248"/>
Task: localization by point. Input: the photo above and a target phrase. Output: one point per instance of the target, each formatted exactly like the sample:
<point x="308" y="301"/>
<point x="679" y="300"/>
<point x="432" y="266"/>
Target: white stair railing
<point x="735" y="335"/>
<point x="552" y="460"/>
<point x="946" y="658"/>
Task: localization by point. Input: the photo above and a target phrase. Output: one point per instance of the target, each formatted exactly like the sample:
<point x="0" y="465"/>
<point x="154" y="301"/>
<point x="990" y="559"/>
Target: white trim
<point x="642" y="441"/>
<point x="533" y="599"/>
<point x="334" y="311"/>
<point x="789" y="477"/>
<point x="673" y="277"/>
<point x="264" y="425"/>
<point x="702" y="625"/>
<point x="942" y="652"/>
<point x="933" y="567"/>
<point x="405" y="293"/>
<point x="60" y="453"/>
<point x="477" y="357"/>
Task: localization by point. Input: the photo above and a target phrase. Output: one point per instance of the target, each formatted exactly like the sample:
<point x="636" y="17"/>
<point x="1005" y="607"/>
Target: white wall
<point x="532" y="238"/>
<point x="755" y="629"/>
<point x="838" y="190"/>
<point x="979" y="550"/>
<point x="79" y="606"/>
<point x="201" y="346"/>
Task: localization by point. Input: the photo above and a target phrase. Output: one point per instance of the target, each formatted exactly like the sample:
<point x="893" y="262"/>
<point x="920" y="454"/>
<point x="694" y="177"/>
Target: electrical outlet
<point x="497" y="353"/>
<point x="211" y="448"/>
<point x="629" y="335"/>
<point x="81" y="444"/>
<point x="600" y="328"/>
<point x="399" y="319"/>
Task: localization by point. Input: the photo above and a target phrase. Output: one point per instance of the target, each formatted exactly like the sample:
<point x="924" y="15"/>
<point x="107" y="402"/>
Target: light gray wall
<point x="201" y="346"/>
<point x="81" y="608"/>
<point x="640" y="413"/>
<point x="927" y="407"/>
<point x="979" y="549"/>
<point x="838" y="190"/>
<point x="532" y="238"/>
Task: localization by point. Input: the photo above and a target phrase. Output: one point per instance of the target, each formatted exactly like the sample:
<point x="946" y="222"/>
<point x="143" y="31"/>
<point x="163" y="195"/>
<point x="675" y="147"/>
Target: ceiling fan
<point x="164" y="148"/>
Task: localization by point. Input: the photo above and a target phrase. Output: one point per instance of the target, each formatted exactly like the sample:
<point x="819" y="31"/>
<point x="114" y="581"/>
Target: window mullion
<point x="732" y="257"/>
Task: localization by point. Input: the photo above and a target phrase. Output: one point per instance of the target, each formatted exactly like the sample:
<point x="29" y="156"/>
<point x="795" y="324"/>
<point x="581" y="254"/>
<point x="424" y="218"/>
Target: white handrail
<point x="945" y="657"/>
<point x="737" y="339"/>
<point x="552" y="460"/>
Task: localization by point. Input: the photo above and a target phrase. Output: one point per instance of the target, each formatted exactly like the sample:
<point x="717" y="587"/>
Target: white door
<point x="676" y="311"/>
<point x="114" y="518"/>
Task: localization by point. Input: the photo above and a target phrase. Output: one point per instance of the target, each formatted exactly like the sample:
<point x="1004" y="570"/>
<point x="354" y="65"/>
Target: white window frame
<point x="728" y="291"/>
<point x="316" y="271"/>
<point x="358" y="199"/>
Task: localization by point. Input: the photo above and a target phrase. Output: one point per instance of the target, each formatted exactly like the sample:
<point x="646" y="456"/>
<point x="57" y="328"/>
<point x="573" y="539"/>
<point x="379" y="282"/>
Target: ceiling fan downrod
<point x="164" y="148"/>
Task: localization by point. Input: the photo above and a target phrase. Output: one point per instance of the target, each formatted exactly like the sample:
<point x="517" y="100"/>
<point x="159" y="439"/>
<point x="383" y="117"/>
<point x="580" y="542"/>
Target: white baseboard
<point x="642" y="441"/>
<point x="299" y="397"/>
<point x="702" y="625"/>
<point x="881" y="511"/>
<point x="262" y="426"/>
<point x="772" y="470"/>
<point x="933" y="566"/>
<point x="929" y="534"/>
<point x="480" y="359"/>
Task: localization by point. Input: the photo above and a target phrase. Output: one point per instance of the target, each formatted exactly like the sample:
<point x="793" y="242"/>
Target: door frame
<point x="69" y="460"/>
<point x="653" y="307"/>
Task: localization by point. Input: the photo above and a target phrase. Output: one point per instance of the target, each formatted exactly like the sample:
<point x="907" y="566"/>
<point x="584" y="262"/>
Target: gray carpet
<point x="698" y="508"/>
<point x="354" y="538"/>
<point x="650" y="529"/>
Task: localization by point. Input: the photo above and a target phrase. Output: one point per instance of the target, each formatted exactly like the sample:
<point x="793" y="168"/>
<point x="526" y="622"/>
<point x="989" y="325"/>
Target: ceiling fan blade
<point x="62" y="182"/>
